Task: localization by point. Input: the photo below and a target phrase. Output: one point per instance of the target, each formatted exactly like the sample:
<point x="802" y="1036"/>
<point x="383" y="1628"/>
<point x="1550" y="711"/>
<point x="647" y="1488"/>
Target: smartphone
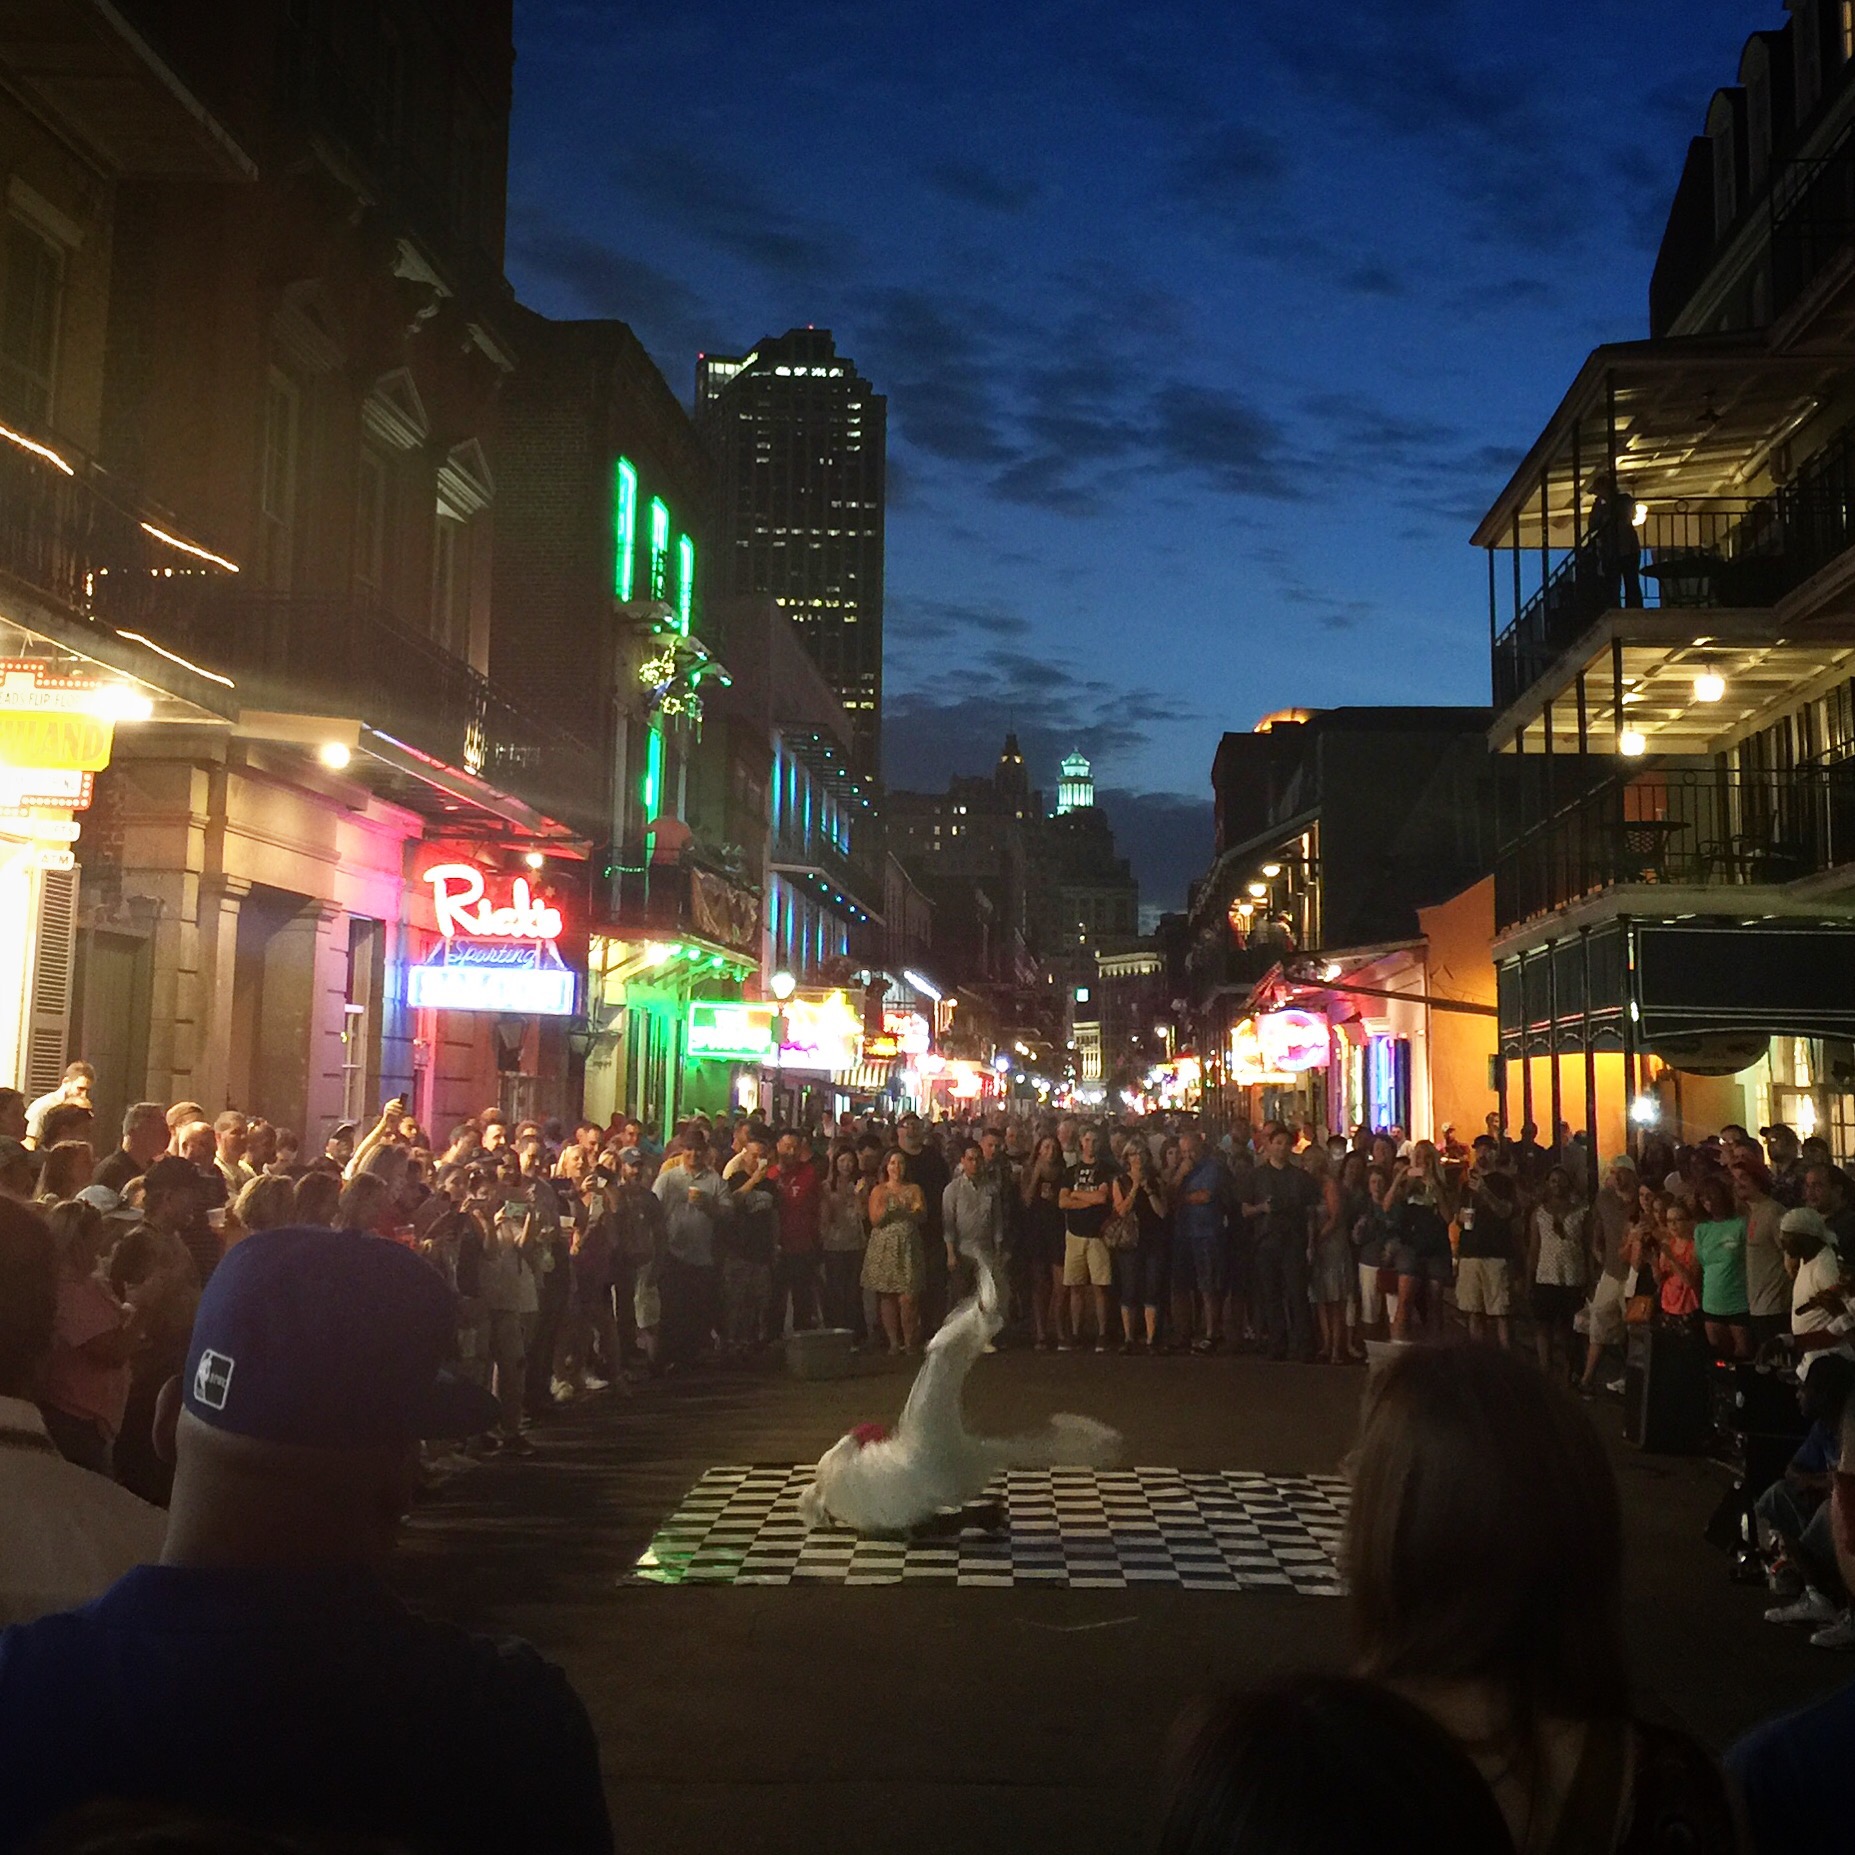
<point x="514" y="1210"/>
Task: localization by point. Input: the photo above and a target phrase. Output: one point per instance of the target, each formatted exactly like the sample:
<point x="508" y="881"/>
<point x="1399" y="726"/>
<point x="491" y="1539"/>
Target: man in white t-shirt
<point x="1820" y="1316"/>
<point x="73" y="1086"/>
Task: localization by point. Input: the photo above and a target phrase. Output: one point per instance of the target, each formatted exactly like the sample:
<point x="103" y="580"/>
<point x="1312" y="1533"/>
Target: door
<point x="113" y="996"/>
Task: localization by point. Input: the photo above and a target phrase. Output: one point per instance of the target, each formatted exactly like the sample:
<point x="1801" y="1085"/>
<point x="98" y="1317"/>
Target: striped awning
<point x="865" y="1078"/>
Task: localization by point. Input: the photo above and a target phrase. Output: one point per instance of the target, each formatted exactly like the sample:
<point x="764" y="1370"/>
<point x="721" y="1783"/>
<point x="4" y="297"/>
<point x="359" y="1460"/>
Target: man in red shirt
<point x="798" y="1187"/>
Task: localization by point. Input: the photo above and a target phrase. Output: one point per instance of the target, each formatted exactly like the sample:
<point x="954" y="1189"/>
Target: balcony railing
<point x="1725" y="552"/>
<point x="845" y="872"/>
<point x="343" y="655"/>
<point x="1710" y="827"/>
<point x="84" y="545"/>
<point x="1812" y="220"/>
<point x="692" y="898"/>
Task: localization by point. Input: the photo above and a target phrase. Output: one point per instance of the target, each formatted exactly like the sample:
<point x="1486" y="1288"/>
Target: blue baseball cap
<point x="328" y="1339"/>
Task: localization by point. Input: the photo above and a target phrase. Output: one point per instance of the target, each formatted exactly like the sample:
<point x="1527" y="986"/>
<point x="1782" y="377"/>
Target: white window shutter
<point x="48" y="996"/>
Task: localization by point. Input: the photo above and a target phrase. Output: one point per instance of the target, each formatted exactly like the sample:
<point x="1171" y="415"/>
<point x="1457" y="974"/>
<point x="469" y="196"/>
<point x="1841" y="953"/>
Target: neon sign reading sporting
<point x="462" y="907"/>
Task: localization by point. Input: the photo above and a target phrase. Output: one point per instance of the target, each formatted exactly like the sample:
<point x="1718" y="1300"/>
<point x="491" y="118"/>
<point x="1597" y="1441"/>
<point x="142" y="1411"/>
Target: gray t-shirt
<point x="690" y="1233"/>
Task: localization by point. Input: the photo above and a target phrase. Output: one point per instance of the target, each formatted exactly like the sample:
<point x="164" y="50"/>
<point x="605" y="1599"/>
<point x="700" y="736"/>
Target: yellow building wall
<point x="1612" y="1122"/>
<point x="1459" y="933"/>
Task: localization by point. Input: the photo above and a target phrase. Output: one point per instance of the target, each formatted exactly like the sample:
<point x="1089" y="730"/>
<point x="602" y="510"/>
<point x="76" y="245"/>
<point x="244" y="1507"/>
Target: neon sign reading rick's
<point x="461" y="903"/>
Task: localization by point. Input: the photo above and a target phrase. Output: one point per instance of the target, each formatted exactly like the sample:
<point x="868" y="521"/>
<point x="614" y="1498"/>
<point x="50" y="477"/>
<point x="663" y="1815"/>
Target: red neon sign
<point x="461" y="903"/>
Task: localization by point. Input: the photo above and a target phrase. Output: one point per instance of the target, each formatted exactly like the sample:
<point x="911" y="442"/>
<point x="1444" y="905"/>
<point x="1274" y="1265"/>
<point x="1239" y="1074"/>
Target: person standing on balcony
<point x="1617" y="540"/>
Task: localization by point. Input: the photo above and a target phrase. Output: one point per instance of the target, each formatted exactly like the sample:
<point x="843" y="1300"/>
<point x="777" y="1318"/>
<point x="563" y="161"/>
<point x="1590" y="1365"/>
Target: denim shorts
<point x="1410" y="1261"/>
<point x="1210" y="1261"/>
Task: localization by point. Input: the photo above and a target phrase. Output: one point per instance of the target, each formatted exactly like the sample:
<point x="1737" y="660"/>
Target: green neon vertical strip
<point x="660" y="546"/>
<point x="653" y="769"/>
<point x="624" y="528"/>
<point x="685" y="582"/>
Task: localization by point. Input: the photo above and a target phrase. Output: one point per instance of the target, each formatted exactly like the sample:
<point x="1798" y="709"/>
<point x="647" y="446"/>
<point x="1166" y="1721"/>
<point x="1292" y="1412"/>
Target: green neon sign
<point x="730" y="1030"/>
<point x="685" y="582"/>
<point x="653" y="769"/>
<point x="660" y="547"/>
<point x="624" y="528"/>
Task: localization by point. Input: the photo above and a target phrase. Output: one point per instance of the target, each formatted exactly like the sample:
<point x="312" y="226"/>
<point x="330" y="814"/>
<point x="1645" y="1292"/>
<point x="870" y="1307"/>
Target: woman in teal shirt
<point x="1720" y="1244"/>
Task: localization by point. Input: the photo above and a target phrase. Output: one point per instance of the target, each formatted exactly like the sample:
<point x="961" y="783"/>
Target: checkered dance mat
<point x="1100" y="1529"/>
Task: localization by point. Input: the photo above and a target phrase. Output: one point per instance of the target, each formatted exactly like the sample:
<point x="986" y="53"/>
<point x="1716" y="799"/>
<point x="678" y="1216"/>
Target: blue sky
<point x="1207" y="330"/>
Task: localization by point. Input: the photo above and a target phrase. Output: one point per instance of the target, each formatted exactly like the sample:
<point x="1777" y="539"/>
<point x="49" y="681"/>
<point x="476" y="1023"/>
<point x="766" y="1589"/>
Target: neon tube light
<point x="37" y="450"/>
<point x="161" y="650"/>
<point x="189" y="547"/>
<point x="625" y="528"/>
<point x="685" y="581"/>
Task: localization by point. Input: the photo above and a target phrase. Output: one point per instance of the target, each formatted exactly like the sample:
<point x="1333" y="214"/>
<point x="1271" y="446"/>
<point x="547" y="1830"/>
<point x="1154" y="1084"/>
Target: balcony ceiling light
<point x="1631" y="743"/>
<point x="1272" y="870"/>
<point x="1259" y="890"/>
<point x="1709" y="686"/>
<point x="334" y="754"/>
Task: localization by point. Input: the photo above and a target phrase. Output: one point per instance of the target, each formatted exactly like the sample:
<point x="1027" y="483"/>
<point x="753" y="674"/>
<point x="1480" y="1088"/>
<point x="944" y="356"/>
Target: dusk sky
<point x="1207" y="331"/>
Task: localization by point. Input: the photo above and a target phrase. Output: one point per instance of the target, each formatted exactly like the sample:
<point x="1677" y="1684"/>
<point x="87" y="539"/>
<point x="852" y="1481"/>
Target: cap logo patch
<point x="212" y="1379"/>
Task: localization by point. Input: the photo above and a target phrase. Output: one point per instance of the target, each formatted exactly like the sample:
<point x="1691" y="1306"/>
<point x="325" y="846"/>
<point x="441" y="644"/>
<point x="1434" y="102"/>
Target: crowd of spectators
<point x="443" y="1297"/>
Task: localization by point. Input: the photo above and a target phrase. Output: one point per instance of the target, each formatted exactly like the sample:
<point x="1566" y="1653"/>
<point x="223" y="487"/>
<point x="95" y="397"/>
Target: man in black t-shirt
<point x="1486" y="1221"/>
<point x="1282" y="1202"/>
<point x="1086" y="1262"/>
<point x="144" y="1140"/>
<point x="925" y="1165"/>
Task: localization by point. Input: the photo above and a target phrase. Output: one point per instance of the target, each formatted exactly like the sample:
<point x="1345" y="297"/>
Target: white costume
<point x="885" y="1482"/>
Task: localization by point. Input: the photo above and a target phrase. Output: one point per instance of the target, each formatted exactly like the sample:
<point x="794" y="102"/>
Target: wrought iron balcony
<point x="693" y="898"/>
<point x="842" y="875"/>
<point x="101" y="561"/>
<point x="1718" y="553"/>
<point x="1812" y="221"/>
<point x="344" y="655"/>
<point x="1695" y="828"/>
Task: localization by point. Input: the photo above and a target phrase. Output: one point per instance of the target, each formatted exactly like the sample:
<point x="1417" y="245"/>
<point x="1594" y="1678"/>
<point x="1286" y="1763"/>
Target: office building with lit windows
<point x="799" y="441"/>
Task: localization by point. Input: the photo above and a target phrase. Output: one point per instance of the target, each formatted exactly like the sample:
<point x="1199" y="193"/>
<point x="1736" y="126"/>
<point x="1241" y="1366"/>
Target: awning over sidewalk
<point x="1774" y="980"/>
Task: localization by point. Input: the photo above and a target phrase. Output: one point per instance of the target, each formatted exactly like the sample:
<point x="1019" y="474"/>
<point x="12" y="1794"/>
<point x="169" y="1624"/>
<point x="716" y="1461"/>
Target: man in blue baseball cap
<point x="262" y="1673"/>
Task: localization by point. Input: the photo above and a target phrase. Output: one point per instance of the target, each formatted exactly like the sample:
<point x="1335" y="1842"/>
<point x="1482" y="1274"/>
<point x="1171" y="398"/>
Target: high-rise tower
<point x="799" y="440"/>
<point x="1075" y="790"/>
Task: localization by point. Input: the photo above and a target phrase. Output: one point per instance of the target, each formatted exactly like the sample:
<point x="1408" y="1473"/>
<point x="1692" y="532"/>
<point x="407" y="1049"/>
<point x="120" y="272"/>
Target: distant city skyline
<point x="1204" y="341"/>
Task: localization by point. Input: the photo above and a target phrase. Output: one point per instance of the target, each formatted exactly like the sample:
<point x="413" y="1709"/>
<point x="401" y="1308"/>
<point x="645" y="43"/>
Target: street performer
<point x="917" y="1479"/>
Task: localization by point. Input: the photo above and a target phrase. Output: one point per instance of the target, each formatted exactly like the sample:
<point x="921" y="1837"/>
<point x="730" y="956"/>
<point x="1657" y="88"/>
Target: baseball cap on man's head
<point x="328" y="1339"/>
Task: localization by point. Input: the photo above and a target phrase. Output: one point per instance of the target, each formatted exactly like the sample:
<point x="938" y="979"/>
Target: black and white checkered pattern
<point x="1220" y="1530"/>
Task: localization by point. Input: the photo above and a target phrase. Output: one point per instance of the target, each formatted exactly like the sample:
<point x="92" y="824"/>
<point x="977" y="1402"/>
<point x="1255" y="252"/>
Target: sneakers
<point x="1101" y="1346"/>
<point x="516" y="1445"/>
<point x="1837" y="1635"/>
<point x="1615" y="1387"/>
<point x="1813" y="1607"/>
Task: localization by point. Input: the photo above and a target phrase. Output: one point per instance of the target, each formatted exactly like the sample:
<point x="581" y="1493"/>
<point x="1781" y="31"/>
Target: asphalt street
<point x="1030" y="1718"/>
